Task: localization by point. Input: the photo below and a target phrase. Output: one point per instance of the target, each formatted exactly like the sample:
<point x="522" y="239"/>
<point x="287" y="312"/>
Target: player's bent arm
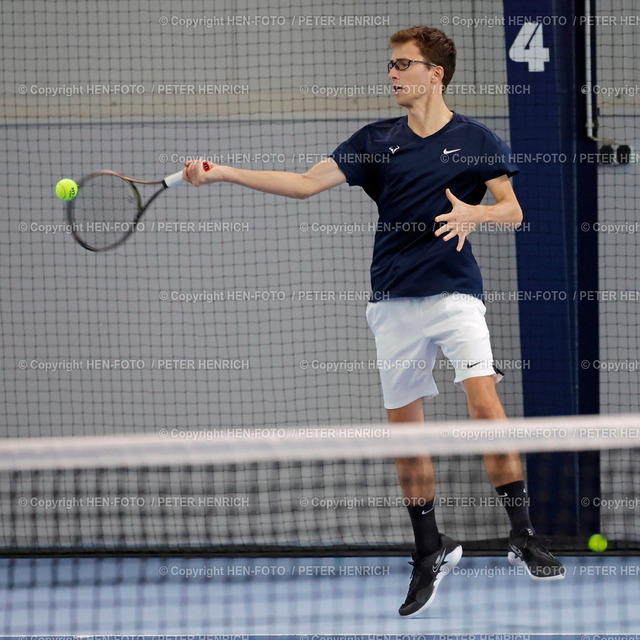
<point x="322" y="176"/>
<point x="507" y="209"/>
<point x="464" y="218"/>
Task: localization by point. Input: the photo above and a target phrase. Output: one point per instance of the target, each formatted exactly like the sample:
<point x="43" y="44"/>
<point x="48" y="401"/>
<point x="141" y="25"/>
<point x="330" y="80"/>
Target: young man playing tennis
<point x="426" y="284"/>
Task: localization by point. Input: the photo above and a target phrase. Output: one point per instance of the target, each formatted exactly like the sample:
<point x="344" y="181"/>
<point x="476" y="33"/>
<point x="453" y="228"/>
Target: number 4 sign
<point x="529" y="47"/>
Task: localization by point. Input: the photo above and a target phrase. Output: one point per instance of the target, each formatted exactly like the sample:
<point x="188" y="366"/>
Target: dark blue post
<point x="545" y="55"/>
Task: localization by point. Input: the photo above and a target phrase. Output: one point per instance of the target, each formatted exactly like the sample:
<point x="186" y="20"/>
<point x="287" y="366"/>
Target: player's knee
<point x="485" y="407"/>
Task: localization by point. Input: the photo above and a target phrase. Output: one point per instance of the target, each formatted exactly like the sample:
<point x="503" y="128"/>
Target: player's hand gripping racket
<point x="109" y="207"/>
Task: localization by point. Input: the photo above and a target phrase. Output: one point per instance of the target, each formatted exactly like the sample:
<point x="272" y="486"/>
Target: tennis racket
<point x="109" y="206"/>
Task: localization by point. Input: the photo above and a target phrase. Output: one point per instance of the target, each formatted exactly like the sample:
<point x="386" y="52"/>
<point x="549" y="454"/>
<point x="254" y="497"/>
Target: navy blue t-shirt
<point x="406" y="176"/>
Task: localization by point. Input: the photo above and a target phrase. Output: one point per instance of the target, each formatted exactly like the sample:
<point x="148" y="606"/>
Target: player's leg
<point x="415" y="474"/>
<point x="406" y="364"/>
<point x="417" y="480"/>
<point x="464" y="338"/>
<point x="463" y="335"/>
<point x="484" y="404"/>
<point x="505" y="469"/>
<point x="406" y="361"/>
<point x="436" y="554"/>
<point x="505" y="473"/>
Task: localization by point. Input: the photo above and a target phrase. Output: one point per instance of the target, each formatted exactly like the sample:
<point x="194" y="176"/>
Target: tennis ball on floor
<point x="597" y="542"/>
<point x="66" y="189"/>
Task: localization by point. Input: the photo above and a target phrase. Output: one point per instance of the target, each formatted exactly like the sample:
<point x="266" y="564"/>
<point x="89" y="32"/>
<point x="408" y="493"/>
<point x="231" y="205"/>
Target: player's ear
<point x="438" y="74"/>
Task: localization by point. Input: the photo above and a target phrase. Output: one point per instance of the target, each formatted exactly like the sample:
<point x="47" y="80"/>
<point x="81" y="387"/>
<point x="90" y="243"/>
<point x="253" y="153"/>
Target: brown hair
<point x="434" y="45"/>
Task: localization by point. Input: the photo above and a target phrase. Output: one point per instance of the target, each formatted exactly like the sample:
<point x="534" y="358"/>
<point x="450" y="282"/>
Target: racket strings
<point x="104" y="211"/>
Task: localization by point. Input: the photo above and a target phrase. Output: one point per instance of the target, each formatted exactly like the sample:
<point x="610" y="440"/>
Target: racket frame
<point x="167" y="182"/>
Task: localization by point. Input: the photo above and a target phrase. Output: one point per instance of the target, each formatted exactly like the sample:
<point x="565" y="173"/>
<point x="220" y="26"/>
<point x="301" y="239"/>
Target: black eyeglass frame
<point x="394" y="64"/>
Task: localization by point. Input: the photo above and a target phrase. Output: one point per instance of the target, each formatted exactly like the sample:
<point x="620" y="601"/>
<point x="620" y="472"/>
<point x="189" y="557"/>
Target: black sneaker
<point x="427" y="574"/>
<point x="528" y="550"/>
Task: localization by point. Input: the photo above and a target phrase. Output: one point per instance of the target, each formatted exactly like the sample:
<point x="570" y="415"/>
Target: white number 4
<point x="528" y="47"/>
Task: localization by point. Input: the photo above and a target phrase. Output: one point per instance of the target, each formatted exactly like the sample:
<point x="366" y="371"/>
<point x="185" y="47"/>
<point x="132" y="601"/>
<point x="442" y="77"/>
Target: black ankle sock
<point x="425" y="529"/>
<point x="516" y="502"/>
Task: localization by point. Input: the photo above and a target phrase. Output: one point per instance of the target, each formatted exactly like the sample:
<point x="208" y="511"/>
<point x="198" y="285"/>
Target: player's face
<point x="415" y="83"/>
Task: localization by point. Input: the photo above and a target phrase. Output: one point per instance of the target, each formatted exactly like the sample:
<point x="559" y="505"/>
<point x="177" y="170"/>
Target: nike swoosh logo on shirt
<point x="470" y="366"/>
<point x="448" y="151"/>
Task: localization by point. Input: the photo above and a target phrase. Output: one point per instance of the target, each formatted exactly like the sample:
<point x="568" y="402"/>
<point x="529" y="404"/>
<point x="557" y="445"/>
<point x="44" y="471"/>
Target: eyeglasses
<point x="402" y="64"/>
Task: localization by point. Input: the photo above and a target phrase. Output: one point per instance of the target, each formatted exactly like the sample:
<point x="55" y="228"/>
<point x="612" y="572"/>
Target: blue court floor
<point x="600" y="596"/>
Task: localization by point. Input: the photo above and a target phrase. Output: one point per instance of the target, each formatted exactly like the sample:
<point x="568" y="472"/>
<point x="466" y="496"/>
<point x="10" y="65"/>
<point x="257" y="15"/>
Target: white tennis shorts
<point x="409" y="332"/>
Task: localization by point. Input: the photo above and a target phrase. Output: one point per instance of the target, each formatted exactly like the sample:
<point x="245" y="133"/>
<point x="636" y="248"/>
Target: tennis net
<point x="298" y="531"/>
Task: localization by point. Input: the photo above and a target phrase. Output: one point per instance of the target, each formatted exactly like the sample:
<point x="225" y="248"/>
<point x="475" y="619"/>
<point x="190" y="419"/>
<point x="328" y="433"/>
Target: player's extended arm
<point x="464" y="218"/>
<point x="322" y="176"/>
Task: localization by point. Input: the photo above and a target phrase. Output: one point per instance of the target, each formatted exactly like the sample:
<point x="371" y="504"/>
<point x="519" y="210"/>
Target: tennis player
<point x="427" y="171"/>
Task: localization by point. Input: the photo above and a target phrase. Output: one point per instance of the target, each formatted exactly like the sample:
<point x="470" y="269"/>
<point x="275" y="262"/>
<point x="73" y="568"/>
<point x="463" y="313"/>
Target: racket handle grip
<point x="174" y="180"/>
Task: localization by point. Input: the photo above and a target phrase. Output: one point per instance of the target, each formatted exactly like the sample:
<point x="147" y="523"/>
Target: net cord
<point x="211" y="447"/>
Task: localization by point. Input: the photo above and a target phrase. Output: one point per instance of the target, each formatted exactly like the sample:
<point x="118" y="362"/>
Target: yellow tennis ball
<point x="597" y="542"/>
<point x="66" y="189"/>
